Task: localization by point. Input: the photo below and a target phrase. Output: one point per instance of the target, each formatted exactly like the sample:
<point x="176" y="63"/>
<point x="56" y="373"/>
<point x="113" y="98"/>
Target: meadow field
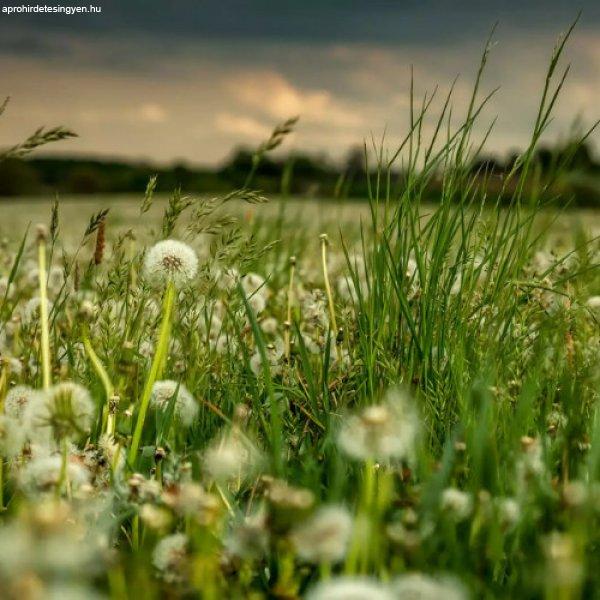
<point x="243" y="397"/>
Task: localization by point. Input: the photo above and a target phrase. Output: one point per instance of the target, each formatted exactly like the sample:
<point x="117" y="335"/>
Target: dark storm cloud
<point x="400" y="21"/>
<point x="193" y="78"/>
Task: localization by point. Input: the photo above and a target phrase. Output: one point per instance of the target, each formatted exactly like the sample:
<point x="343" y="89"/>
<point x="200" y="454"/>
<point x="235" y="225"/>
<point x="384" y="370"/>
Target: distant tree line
<point x="299" y="174"/>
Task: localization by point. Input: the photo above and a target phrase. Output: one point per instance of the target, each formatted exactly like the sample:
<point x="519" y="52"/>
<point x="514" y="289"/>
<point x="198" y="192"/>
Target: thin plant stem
<point x="323" y="238"/>
<point x="155" y="369"/>
<point x="102" y="375"/>
<point x="290" y="299"/>
<point x="44" y="325"/>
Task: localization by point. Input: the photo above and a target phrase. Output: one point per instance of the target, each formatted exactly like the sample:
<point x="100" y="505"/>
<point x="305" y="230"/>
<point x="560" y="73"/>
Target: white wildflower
<point x="186" y="407"/>
<point x="6" y="289"/>
<point x="509" y="511"/>
<point x="416" y="586"/>
<point x="593" y="303"/>
<point x="274" y="352"/>
<point x="325" y="536"/>
<point x="232" y="456"/>
<point x="459" y="504"/>
<point x="18" y="399"/>
<point x="350" y="588"/>
<point x="269" y="325"/>
<point x="250" y="538"/>
<point x="30" y="311"/>
<point x="253" y="283"/>
<point x="169" y="556"/>
<point x="190" y="499"/>
<point x="44" y="473"/>
<point x="12" y="436"/>
<point x="227" y="279"/>
<point x="155" y="517"/>
<point x="66" y="409"/>
<point x="170" y="260"/>
<point x="382" y="432"/>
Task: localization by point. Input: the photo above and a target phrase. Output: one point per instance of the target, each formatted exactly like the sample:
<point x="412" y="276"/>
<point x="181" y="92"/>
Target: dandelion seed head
<point x="350" y="588"/>
<point x="186" y="407"/>
<point x="170" y="260"/>
<point x="325" y="536"/>
<point x="66" y="409"/>
<point x="593" y="303"/>
<point x="249" y="538"/>
<point x="417" y="586"/>
<point x="509" y="511"/>
<point x="382" y="432"/>
<point x="30" y="311"/>
<point x="18" y="399"/>
<point x="12" y="436"/>
<point x="44" y="473"/>
<point x="232" y="456"/>
<point x="190" y="499"/>
<point x="169" y="557"/>
<point x="456" y="502"/>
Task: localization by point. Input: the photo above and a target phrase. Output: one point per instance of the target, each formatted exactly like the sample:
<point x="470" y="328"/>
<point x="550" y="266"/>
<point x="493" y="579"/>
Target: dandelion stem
<point x="323" y="238"/>
<point x="102" y="375"/>
<point x="155" y="369"/>
<point x="290" y="298"/>
<point x="44" y="311"/>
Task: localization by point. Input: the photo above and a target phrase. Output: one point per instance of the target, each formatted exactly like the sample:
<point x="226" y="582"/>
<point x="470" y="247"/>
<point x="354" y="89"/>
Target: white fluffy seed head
<point x="65" y="410"/>
<point x="425" y="587"/>
<point x="325" y="536"/>
<point x="383" y="432"/>
<point x="30" y="311"/>
<point x="44" y="473"/>
<point x="350" y="588"/>
<point x="18" y="399"/>
<point x="169" y="556"/>
<point x="186" y="408"/>
<point x="12" y="436"/>
<point x="232" y="456"/>
<point x="459" y="504"/>
<point x="170" y="260"/>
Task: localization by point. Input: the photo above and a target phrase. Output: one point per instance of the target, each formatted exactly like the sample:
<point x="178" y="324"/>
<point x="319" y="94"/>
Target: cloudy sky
<point x="191" y="79"/>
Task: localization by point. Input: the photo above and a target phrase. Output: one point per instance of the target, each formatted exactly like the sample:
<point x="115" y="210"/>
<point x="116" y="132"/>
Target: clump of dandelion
<point x="172" y="264"/>
<point x="457" y="503"/>
<point x="45" y="473"/>
<point x="143" y="490"/>
<point x="509" y="512"/>
<point x="189" y="499"/>
<point x="249" y="538"/>
<point x="169" y="557"/>
<point x="6" y="288"/>
<point x="30" y="311"/>
<point x="274" y="353"/>
<point x="325" y="537"/>
<point x="593" y="303"/>
<point x="383" y="432"/>
<point x="416" y="586"/>
<point x="67" y="409"/>
<point x="232" y="456"/>
<point x="12" y="436"/>
<point x="351" y="588"/>
<point x="564" y="565"/>
<point x="530" y="466"/>
<point x="155" y="517"/>
<point x="185" y="406"/>
<point x="256" y="291"/>
<point x="170" y="260"/>
<point x="18" y="399"/>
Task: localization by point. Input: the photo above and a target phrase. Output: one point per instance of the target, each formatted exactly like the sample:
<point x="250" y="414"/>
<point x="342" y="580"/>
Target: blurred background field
<point x="311" y="216"/>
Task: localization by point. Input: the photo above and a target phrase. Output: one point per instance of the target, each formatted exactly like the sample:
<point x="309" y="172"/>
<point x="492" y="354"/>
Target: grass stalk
<point x="156" y="368"/>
